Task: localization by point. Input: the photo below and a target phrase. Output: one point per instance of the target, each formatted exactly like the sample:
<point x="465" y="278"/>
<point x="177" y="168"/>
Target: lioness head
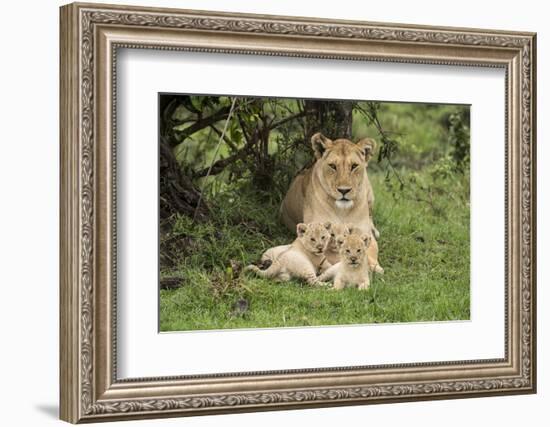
<point x="338" y="232"/>
<point x="353" y="251"/>
<point x="314" y="236"/>
<point x="341" y="167"/>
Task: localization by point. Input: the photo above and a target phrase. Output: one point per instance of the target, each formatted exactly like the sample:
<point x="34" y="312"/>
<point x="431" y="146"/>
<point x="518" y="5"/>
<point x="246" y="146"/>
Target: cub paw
<point x="324" y="284"/>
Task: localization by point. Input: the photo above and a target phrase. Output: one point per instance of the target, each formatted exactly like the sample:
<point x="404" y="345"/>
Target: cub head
<point x="314" y="236"/>
<point x="338" y="232"/>
<point x="353" y="251"/>
<point x="341" y="167"/>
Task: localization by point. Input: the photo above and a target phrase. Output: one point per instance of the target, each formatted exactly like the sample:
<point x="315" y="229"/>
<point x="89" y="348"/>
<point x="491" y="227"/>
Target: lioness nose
<point x="344" y="190"/>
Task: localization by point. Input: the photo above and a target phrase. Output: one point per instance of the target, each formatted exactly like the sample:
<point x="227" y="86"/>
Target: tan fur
<point x="337" y="234"/>
<point x="372" y="250"/>
<point x="313" y="195"/>
<point x="302" y="259"/>
<point x="273" y="253"/>
<point x="353" y="269"/>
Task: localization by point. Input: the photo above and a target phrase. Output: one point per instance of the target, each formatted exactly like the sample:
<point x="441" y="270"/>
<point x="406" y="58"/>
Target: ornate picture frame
<point x="90" y="37"/>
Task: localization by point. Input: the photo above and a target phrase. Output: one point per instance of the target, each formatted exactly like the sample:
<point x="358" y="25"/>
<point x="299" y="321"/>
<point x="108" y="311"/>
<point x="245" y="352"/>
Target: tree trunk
<point x="332" y="118"/>
<point x="177" y="192"/>
<point x="263" y="174"/>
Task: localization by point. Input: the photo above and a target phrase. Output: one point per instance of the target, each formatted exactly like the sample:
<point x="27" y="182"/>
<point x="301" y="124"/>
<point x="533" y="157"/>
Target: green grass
<point x="420" y="128"/>
<point x="424" y="249"/>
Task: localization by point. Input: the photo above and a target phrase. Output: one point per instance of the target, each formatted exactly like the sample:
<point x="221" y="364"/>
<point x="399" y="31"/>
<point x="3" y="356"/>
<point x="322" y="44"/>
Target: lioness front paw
<point x="378" y="269"/>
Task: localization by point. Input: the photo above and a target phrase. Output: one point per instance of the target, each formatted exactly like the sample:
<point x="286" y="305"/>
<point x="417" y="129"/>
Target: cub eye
<point x="354" y="166"/>
<point x="331" y="234"/>
<point x="312" y="239"/>
<point x="340" y="242"/>
<point x="332" y="166"/>
<point x="358" y="250"/>
<point x="348" y="251"/>
<point x="323" y="238"/>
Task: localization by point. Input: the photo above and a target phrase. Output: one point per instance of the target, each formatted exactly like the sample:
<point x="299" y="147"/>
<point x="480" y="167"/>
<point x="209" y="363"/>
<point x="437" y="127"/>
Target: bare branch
<point x="204" y="123"/>
<point x="225" y="138"/>
<point x="286" y="120"/>
<point x="221" y="164"/>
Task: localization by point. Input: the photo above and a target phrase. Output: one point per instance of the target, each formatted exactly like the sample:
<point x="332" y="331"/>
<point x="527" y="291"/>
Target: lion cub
<point x="302" y="258"/>
<point x="272" y="254"/>
<point x="353" y="269"/>
<point x="338" y="232"/>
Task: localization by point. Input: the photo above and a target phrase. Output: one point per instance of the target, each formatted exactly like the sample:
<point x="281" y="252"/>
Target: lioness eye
<point x="354" y="166"/>
<point x="332" y="166"/>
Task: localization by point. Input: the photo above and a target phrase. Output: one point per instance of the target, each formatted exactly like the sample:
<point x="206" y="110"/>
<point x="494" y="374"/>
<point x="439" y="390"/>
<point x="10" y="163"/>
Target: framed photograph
<point x="266" y="212"/>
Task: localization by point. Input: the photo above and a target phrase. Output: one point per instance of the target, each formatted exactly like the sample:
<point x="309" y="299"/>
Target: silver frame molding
<point x="90" y="36"/>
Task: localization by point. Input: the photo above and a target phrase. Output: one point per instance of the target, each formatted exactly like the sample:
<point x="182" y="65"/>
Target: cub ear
<point x="320" y="143"/>
<point x="328" y="225"/>
<point x="301" y="228"/>
<point x="366" y="238"/>
<point x="367" y="145"/>
<point x="350" y="228"/>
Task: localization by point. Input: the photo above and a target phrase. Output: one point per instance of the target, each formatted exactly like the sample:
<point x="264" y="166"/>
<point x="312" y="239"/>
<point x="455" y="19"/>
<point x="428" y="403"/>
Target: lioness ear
<point x="367" y="145"/>
<point x="320" y="143"/>
<point x="327" y="225"/>
<point x="301" y="229"/>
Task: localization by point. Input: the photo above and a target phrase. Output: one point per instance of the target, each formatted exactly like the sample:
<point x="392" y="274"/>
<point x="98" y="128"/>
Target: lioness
<point x="335" y="189"/>
<point x="303" y="258"/>
<point x="353" y="269"/>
